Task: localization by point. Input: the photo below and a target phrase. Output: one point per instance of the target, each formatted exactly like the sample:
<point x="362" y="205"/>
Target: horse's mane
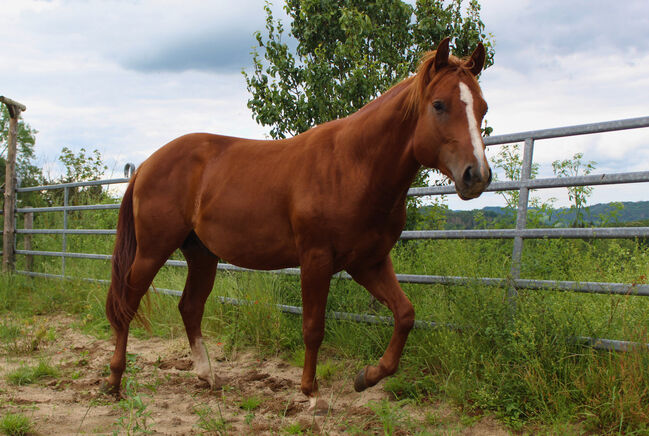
<point x="416" y="84"/>
<point x="419" y="81"/>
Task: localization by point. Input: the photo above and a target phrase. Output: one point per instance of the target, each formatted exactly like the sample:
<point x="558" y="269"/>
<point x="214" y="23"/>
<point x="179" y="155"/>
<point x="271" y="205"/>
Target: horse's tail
<point x="117" y="309"/>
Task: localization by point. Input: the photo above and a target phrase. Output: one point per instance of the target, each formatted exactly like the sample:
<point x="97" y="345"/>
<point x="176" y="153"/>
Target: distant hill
<point x="602" y="213"/>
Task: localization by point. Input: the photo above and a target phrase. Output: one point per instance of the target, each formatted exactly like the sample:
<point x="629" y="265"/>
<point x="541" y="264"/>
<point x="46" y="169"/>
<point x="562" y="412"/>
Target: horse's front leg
<point x="381" y="281"/>
<point x="316" y="271"/>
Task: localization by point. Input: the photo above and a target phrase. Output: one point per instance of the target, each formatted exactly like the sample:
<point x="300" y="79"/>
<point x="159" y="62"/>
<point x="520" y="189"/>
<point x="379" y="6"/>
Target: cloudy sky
<point x="127" y="76"/>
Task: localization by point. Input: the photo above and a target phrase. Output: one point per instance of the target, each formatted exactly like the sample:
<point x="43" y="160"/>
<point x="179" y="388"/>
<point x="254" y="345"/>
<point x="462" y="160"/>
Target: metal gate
<point x="512" y="283"/>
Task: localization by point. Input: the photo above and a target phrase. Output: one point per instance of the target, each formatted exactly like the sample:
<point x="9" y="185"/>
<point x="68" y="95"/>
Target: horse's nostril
<point x="490" y="177"/>
<point x="467" y="178"/>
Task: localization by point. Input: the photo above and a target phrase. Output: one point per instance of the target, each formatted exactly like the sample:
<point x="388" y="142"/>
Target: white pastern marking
<point x="201" y="361"/>
<point x="476" y="138"/>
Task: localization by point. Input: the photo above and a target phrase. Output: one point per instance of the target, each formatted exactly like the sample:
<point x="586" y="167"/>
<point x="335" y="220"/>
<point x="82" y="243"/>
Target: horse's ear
<point x="476" y="62"/>
<point x="441" y="56"/>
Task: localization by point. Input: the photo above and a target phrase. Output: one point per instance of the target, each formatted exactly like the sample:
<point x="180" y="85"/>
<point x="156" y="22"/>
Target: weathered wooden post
<point x="15" y="109"/>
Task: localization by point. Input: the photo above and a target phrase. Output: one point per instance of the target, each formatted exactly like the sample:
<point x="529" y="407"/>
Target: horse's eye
<point x="439" y="106"/>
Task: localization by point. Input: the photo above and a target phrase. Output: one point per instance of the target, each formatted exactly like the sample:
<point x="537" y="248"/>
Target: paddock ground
<point x="254" y="394"/>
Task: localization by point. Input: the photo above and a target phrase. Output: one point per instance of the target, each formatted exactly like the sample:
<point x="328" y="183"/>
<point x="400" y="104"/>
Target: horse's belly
<point x="250" y="247"/>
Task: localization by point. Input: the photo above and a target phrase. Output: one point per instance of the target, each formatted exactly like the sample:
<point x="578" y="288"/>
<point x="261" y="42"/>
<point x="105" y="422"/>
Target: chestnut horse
<point x="330" y="199"/>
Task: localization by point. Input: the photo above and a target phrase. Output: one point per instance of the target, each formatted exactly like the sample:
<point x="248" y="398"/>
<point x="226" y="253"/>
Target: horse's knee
<point x="405" y="317"/>
<point x="189" y="311"/>
<point x="312" y="333"/>
<point x="184" y="307"/>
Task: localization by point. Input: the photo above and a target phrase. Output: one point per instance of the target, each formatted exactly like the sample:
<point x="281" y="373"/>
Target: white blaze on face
<point x="476" y="138"/>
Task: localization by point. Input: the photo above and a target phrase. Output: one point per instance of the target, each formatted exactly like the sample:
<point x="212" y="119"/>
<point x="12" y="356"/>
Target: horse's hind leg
<point x="201" y="269"/>
<point x="143" y="270"/>
<point x="382" y="282"/>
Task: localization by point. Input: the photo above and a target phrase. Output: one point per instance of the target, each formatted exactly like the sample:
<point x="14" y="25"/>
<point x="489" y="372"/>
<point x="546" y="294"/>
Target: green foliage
<point x="250" y="403"/>
<point x="27" y="173"/>
<point x="81" y="167"/>
<point x="135" y="417"/>
<point x="295" y="428"/>
<point x="391" y="416"/>
<point x="577" y="194"/>
<point x="26" y="375"/>
<point x="346" y="53"/>
<point x="209" y="422"/>
<point x="15" y="424"/>
<point x="510" y="161"/>
<point x="23" y="337"/>
<point x="25" y="140"/>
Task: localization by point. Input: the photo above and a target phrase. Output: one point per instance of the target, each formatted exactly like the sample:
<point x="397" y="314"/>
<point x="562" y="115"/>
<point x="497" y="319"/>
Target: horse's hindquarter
<point x="166" y="189"/>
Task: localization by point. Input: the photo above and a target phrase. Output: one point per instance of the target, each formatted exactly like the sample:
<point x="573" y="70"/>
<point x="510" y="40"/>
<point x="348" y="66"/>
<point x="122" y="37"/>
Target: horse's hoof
<point x="318" y="406"/>
<point x="359" y="381"/>
<point x="206" y="380"/>
<point x="109" y="389"/>
<point x="214" y="382"/>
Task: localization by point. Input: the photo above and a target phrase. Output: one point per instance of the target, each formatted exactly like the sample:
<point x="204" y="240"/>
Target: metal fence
<point x="513" y="282"/>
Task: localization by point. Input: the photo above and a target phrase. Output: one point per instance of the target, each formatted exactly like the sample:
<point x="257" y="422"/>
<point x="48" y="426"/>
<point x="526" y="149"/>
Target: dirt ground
<point x="162" y="396"/>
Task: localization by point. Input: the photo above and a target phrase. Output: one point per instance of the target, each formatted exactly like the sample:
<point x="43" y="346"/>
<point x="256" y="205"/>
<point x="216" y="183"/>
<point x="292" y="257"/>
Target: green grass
<point x="525" y="368"/>
<point x="25" y="375"/>
<point x="24" y="337"/>
<point x="211" y="421"/>
<point x="250" y="403"/>
<point x="15" y="424"/>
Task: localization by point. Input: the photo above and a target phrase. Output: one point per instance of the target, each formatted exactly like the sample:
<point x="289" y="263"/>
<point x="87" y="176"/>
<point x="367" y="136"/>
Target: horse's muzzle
<point x="472" y="183"/>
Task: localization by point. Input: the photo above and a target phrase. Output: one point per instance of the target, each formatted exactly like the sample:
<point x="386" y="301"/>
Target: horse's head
<point x="450" y="106"/>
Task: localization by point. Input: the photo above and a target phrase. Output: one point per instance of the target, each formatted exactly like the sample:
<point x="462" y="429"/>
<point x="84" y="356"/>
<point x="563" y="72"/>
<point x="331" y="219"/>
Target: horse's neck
<point x="386" y="144"/>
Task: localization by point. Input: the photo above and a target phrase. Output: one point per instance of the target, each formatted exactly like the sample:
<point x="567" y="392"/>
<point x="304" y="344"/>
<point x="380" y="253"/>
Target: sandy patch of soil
<point x="252" y="395"/>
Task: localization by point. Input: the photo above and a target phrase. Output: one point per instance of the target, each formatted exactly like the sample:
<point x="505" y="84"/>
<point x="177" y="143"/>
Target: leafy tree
<point x="340" y="54"/>
<point x="26" y="171"/>
<point x="347" y="52"/>
<point x="80" y="167"/>
<point x="577" y="194"/>
<point x="510" y="161"/>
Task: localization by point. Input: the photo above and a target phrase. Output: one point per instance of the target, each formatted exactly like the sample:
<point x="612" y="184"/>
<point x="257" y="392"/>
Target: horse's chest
<point x="372" y="241"/>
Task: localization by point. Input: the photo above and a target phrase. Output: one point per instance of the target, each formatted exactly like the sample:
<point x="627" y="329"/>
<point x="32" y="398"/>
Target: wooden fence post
<point x="9" y="232"/>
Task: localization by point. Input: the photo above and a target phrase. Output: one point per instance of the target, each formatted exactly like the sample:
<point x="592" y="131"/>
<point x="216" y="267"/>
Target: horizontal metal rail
<point x="597" y="343"/>
<point x="66" y="231"/>
<point x="639" y="289"/>
<point x="551" y="182"/>
<point x="68" y="208"/>
<point x="580" y="129"/>
<point x="542" y="233"/>
<point x="294" y="310"/>
<point x="65" y="254"/>
<point x="73" y="185"/>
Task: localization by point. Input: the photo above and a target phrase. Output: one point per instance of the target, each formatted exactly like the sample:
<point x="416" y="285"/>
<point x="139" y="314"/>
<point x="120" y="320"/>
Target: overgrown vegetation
<point x="15" y="424"/>
<point x="527" y="368"/>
